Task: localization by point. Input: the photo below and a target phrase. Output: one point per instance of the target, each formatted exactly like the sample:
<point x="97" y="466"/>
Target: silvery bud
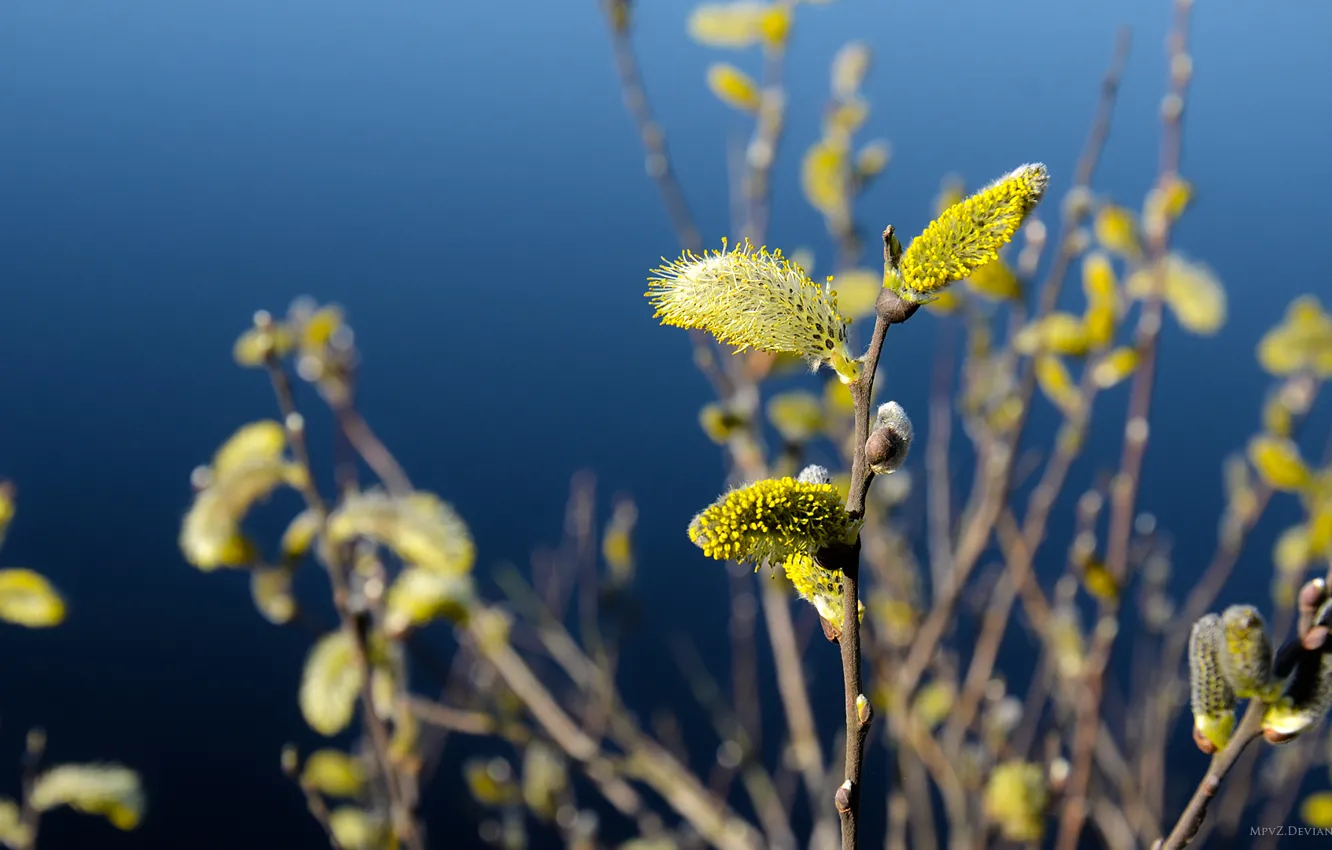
<point x="889" y="439"/>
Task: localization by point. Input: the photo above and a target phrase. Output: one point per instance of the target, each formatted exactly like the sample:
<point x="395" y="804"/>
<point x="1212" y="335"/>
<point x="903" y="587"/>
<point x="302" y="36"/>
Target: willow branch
<point x="461" y="720"/>
<point x="1124" y="491"/>
<point x="1250" y="728"/>
<point x="793" y="690"/>
<point x="353" y="623"/>
<point x="657" y="160"/>
<point x="889" y="310"/>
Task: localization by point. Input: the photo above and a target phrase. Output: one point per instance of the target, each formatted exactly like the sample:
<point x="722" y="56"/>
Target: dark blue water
<point x="463" y="178"/>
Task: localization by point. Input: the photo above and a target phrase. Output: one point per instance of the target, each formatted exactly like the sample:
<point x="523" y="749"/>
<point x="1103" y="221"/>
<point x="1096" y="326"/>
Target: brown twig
<point x="645" y="758"/>
<point x="1250" y="728"/>
<point x="657" y="160"/>
<point x="30" y="818"/>
<point x="774" y="819"/>
<point x="313" y="801"/>
<point x="791" y="687"/>
<point x="462" y="720"/>
<point x="401" y="799"/>
<point x="762" y="151"/>
<point x="1124" y="490"/>
<point x="370" y="448"/>
<point x="936" y="459"/>
<point x="889" y="310"/>
<point x="991" y="484"/>
<point x="1203" y="593"/>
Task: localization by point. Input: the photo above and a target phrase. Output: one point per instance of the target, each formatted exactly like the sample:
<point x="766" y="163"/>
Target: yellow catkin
<point x="420" y="528"/>
<point x="751" y="298"/>
<point x="110" y="790"/>
<point x="330" y="684"/>
<point x="728" y="25"/>
<point x="1246" y="651"/>
<point x="770" y="520"/>
<point x="1304" y="701"/>
<point x="1278" y="462"/>
<point x="1015" y="799"/>
<point x="28" y="599"/>
<point x="969" y="234"/>
<point x="797" y="416"/>
<point x="817" y="585"/>
<point x="1210" y="695"/>
<point x="1301" y="343"/>
<point x="734" y="87"/>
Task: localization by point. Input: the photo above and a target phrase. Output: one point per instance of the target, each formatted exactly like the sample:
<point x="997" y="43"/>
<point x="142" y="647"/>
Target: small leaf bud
<point x="889" y="440"/>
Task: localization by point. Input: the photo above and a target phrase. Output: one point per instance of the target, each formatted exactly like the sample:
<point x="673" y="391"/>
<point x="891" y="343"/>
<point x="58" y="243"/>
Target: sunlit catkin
<point x="968" y="234"/>
<point x="420" y="528"/>
<point x="210" y="535"/>
<point x="819" y="586"/>
<point x="1305" y="700"/>
<point x="270" y="587"/>
<point x="750" y="298"/>
<point x="770" y="520"/>
<point x="1210" y="695"/>
<point x="28" y="599"/>
<point x="1246" y="651"/>
<point x="330" y="684"/>
<point x="729" y="25"/>
<point x="1016" y="797"/>
<point x="1302" y="342"/>
<point x="259" y="441"/>
<point x="110" y="790"/>
<point x="418" y="596"/>
<point x="333" y="773"/>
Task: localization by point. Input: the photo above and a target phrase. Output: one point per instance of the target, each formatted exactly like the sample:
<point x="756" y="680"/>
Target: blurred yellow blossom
<point x="1116" y="230"/>
<point x="1316" y="810"/>
<point x="330" y="684"/>
<point x="849" y="66"/>
<point x="1301" y="343"/>
<point x="246" y="469"/>
<point x="1191" y="291"/>
<point x="1101" y="289"/>
<point x="1279" y="463"/>
<point x="110" y="790"/>
<point x="1055" y="333"/>
<point x="1114" y="367"/>
<point x="872" y="159"/>
<point x="333" y="773"/>
<point x="734" y="87"/>
<point x="837" y="398"/>
<point x="356" y="829"/>
<point x="720" y="422"/>
<point x="1054" y="380"/>
<point x="730" y="25"/>
<point x="28" y="599"/>
<point x="617" y="544"/>
<point x="420" y="528"/>
<point x="797" y="416"/>
<point x="1015" y="799"/>
<point x="996" y="280"/>
<point x="823" y="176"/>
<point x="270" y="587"/>
<point x="858" y="290"/>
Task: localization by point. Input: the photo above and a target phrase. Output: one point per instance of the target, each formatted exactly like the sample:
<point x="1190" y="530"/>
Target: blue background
<point x="463" y="177"/>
